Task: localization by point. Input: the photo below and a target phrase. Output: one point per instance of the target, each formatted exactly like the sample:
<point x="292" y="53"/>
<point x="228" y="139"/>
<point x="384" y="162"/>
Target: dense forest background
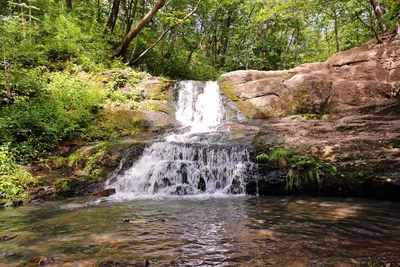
<point x="49" y="48"/>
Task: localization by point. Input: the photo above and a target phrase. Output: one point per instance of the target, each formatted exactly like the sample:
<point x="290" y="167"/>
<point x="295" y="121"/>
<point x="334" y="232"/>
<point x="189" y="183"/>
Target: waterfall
<point x="198" y="159"/>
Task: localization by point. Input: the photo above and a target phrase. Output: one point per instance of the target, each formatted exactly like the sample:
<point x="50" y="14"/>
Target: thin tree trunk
<point x="98" y="12"/>
<point x="69" y="4"/>
<point x="336" y="26"/>
<point x="224" y="49"/>
<point x="112" y="20"/>
<point x="191" y="52"/>
<point x="6" y="77"/>
<point x="137" y="37"/>
<point x="132" y="15"/>
<point x="371" y="28"/>
<point x="122" y="49"/>
<point x="287" y="50"/>
<point x="215" y="38"/>
<point x="297" y="47"/>
<point x="379" y="14"/>
<point x="165" y="32"/>
<point x="172" y="45"/>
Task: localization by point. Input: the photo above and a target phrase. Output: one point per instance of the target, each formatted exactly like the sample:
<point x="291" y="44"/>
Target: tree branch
<point x="165" y="32"/>
<point x="370" y="27"/>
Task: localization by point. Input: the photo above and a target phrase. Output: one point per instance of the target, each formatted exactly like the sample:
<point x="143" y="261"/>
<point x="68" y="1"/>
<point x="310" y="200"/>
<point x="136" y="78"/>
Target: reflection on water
<point x="237" y="231"/>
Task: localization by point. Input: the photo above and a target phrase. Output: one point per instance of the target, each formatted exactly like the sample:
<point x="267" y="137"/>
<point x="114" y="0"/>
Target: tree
<point x="113" y="16"/>
<point x="165" y="32"/>
<point x="69" y="4"/>
<point x="123" y="47"/>
<point x="379" y="14"/>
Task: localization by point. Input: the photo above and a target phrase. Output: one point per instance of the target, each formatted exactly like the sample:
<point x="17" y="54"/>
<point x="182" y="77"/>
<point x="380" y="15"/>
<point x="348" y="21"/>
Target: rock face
<point x="365" y="148"/>
<point x="362" y="76"/>
<point x="355" y="123"/>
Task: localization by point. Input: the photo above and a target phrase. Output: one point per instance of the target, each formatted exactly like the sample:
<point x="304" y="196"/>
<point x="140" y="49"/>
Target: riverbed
<point x="204" y="230"/>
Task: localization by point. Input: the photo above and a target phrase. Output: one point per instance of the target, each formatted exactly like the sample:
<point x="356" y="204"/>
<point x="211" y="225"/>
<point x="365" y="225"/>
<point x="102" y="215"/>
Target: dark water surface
<point x="232" y="231"/>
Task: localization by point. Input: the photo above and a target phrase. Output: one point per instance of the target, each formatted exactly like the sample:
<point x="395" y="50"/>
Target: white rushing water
<point x="196" y="160"/>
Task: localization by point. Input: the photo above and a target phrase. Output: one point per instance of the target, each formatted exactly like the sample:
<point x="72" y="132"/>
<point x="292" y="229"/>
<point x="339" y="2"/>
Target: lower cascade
<point x="198" y="158"/>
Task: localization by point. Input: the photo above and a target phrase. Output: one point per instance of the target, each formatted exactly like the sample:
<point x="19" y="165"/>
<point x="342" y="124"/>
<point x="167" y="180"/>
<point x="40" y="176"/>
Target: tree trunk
<point x="370" y="27"/>
<point x="165" y="32"/>
<point x="113" y="16"/>
<point x="172" y="45"/>
<point x="215" y="38"/>
<point x="131" y="15"/>
<point x="336" y="26"/>
<point x="297" y="47"/>
<point x="224" y="49"/>
<point x="69" y="4"/>
<point x="379" y="14"/>
<point x="98" y="12"/>
<point x="121" y="50"/>
<point x="192" y="52"/>
<point x="137" y="37"/>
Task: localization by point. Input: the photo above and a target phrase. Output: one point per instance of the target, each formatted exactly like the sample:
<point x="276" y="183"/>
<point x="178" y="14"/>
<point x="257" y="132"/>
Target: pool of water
<point x="205" y="231"/>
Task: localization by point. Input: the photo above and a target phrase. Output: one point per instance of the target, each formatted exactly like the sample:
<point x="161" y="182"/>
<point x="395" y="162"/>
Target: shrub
<point x="301" y="169"/>
<point x="13" y="179"/>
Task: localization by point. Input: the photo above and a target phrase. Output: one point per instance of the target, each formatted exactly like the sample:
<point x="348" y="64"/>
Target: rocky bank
<point x="345" y="111"/>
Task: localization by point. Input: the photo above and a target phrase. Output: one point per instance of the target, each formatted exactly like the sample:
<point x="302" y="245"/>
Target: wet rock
<point x="43" y="193"/>
<point x="202" y="185"/>
<point x="40" y="261"/>
<point x="108" y="263"/>
<point x="105" y="193"/>
<point x="156" y="88"/>
<point x="6" y="238"/>
<point x="144" y="263"/>
<point x="362" y="146"/>
<point x="365" y="75"/>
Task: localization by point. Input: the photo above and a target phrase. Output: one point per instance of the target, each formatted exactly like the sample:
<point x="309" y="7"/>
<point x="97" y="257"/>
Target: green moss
<point x="157" y="106"/>
<point x="229" y="91"/>
<point x="306" y="107"/>
<point x="111" y="124"/>
<point x="249" y="110"/>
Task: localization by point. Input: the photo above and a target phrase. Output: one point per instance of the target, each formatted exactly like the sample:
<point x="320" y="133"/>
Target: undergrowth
<point x="301" y="169"/>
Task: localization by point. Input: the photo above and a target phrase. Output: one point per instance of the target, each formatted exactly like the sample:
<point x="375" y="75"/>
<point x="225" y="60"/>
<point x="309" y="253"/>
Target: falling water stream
<point x="198" y="159"/>
<point x="182" y="204"/>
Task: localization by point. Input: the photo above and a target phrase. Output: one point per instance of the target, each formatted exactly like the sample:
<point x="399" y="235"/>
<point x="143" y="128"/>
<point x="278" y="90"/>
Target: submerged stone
<point x="105" y="193"/>
<point x="40" y="261"/>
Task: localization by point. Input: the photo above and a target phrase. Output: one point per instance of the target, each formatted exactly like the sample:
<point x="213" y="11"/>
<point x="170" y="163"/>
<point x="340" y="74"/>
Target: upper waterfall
<point x="199" y="105"/>
<point x="197" y="158"/>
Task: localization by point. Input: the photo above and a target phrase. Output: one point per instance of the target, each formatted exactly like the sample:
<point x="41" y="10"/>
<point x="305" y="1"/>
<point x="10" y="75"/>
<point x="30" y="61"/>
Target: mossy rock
<point x="156" y="88"/>
<point x="112" y="123"/>
<point x="250" y="111"/>
<point x="228" y="90"/>
<point x="157" y="106"/>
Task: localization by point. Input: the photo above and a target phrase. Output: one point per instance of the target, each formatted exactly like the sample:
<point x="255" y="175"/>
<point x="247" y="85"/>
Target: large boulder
<point x="362" y="76"/>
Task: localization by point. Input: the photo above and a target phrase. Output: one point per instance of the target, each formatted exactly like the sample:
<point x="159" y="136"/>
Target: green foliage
<point x="301" y="169"/>
<point x="13" y="179"/>
<point x="62" y="113"/>
<point x="62" y="185"/>
<point x="281" y="157"/>
<point x="94" y="164"/>
<point x="262" y="158"/>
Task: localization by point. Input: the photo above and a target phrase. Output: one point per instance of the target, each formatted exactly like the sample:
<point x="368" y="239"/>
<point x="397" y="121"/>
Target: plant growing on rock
<point x="301" y="169"/>
<point x="61" y="185"/>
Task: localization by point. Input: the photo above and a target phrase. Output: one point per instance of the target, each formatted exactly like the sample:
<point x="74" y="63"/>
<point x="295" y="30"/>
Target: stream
<point x="206" y="230"/>
<point x="182" y="203"/>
